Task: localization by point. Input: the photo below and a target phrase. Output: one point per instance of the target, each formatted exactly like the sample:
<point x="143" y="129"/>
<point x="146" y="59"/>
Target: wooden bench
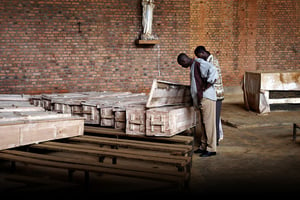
<point x="153" y="155"/>
<point x="73" y="164"/>
<point x="181" y="162"/>
<point x="295" y="126"/>
<point x="102" y="131"/>
<point x="114" y="143"/>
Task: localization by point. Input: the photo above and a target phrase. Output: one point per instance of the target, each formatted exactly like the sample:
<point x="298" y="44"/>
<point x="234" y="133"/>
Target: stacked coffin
<point x="22" y="123"/>
<point x="166" y="111"/>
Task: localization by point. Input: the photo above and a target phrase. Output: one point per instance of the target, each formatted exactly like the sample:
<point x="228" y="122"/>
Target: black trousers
<point x="218" y="116"/>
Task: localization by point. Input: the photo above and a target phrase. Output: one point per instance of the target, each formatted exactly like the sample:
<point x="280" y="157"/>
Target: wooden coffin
<point x="18" y="106"/>
<point x="48" y="100"/>
<point x="14" y="97"/>
<point x="119" y="109"/>
<point x="98" y="110"/>
<point x="107" y="109"/>
<point x="167" y="101"/>
<point x="23" y="128"/>
<point x="169" y="120"/>
<point x="135" y="120"/>
<point x="36" y="100"/>
<point x="260" y="87"/>
<point x="88" y="107"/>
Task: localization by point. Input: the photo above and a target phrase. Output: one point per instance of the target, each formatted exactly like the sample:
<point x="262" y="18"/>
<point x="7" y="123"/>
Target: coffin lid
<point x="164" y="93"/>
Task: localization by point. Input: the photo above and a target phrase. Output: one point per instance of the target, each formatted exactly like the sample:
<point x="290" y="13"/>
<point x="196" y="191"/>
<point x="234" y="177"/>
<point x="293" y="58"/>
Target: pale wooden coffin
<point x="87" y="107"/>
<point x="168" y="111"/>
<point x="108" y="108"/>
<point x="99" y="110"/>
<point x="14" y="97"/>
<point x="36" y="100"/>
<point x="18" y="106"/>
<point x="259" y="85"/>
<point x="135" y="120"/>
<point x="169" y="120"/>
<point x="48" y="100"/>
<point x="90" y="112"/>
<point x="119" y="109"/>
<point x="28" y="127"/>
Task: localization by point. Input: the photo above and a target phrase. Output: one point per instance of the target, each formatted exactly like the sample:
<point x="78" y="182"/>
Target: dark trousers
<point x="218" y="116"/>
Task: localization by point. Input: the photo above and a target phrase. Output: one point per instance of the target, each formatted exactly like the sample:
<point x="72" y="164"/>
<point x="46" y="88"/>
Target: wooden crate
<point x="169" y="120"/>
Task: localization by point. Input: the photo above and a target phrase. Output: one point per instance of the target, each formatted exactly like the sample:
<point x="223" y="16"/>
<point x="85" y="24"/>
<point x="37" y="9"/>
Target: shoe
<point x="199" y="151"/>
<point x="208" y="153"/>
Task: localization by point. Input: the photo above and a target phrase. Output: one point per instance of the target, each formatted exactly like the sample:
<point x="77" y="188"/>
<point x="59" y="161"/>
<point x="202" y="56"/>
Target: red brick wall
<point x="247" y="35"/>
<point x="42" y="50"/>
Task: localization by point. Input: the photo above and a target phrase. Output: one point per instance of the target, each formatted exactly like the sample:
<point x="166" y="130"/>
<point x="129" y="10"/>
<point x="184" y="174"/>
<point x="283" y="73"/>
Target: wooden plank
<point x="120" y="133"/>
<point x="147" y="42"/>
<point x="170" y="120"/>
<point x="179" y="161"/>
<point x="178" y="149"/>
<point x="88" y="166"/>
<point x="164" y="93"/>
<point x="285" y="101"/>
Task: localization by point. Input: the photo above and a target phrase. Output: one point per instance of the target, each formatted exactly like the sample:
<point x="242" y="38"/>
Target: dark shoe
<point x="199" y="151"/>
<point x="208" y="153"/>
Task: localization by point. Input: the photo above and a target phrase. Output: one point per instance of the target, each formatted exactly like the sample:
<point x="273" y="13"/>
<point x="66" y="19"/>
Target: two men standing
<point x="203" y="77"/>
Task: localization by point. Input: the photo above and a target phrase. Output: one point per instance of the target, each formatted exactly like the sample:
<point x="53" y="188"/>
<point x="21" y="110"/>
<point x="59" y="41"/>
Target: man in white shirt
<point x="201" y="52"/>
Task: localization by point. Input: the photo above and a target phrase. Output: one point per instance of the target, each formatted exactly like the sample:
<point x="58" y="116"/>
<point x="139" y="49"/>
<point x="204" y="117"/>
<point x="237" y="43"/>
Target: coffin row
<point x="165" y="111"/>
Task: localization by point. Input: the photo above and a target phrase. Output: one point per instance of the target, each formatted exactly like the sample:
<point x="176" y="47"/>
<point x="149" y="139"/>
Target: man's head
<point x="201" y="52"/>
<point x="184" y="60"/>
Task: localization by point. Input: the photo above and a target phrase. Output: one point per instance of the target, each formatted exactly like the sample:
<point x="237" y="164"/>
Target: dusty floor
<point x="257" y="157"/>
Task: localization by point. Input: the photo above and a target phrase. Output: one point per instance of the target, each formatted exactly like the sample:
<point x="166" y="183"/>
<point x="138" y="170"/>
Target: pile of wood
<point x="166" y="111"/>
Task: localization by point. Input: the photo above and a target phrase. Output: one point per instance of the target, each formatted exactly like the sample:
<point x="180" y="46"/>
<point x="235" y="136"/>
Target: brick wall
<point x="89" y="45"/>
<point x="247" y="35"/>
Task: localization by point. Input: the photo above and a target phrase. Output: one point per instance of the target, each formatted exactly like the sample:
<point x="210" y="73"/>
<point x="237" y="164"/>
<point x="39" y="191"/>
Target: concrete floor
<point x="256" y="157"/>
